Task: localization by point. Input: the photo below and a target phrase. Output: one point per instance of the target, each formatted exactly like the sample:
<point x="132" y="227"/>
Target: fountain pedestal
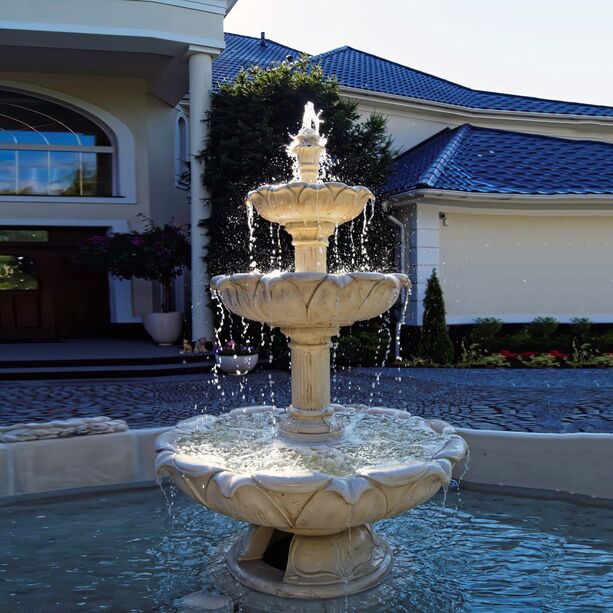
<point x="300" y="566"/>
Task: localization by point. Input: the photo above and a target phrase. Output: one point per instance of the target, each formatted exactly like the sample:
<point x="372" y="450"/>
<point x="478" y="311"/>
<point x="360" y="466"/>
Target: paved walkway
<point x="519" y="400"/>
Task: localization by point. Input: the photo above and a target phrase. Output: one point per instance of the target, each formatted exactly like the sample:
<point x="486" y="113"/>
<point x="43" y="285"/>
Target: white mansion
<point x="510" y="198"/>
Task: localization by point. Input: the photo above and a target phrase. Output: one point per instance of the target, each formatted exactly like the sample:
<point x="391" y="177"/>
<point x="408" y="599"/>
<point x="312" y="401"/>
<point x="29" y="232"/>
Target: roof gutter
<point x="497" y="197"/>
<point x="467" y="111"/>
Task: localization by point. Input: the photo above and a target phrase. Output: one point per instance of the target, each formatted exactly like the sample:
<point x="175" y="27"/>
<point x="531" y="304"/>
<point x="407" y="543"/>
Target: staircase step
<point x="96" y="370"/>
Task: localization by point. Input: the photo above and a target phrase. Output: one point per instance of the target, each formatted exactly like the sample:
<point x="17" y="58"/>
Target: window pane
<point x="60" y="125"/>
<point x="8" y="172"/>
<point x="65" y="174"/>
<point x="97" y="174"/>
<point x="23" y="236"/>
<point x="33" y="172"/>
<point x="29" y="120"/>
<point x="18" y="273"/>
<point x="7" y="137"/>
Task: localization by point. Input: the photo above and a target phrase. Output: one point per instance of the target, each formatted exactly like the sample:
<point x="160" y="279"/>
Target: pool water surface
<point x="141" y="550"/>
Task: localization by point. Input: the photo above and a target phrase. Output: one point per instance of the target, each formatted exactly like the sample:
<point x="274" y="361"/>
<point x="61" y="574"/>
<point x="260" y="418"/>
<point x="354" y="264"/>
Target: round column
<point x="200" y="83"/>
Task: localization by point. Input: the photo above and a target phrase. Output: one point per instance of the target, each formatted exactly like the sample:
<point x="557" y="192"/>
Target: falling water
<point x="251" y="226"/>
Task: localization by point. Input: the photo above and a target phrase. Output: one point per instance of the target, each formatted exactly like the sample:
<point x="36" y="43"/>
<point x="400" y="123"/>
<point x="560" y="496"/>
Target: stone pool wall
<point x="573" y="464"/>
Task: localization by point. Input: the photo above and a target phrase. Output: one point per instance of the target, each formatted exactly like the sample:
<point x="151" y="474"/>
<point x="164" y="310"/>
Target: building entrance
<point x="45" y="292"/>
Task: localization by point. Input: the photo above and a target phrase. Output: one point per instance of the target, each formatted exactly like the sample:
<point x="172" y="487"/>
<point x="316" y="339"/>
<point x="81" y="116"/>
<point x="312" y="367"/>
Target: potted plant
<point x="235" y="359"/>
<point x="159" y="253"/>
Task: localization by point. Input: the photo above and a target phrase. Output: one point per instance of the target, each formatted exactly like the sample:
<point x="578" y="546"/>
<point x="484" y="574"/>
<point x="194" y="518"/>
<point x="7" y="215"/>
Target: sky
<point x="558" y="49"/>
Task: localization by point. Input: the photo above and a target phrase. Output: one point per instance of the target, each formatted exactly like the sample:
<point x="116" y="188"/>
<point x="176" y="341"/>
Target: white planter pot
<point x="164" y="328"/>
<point x="236" y="365"/>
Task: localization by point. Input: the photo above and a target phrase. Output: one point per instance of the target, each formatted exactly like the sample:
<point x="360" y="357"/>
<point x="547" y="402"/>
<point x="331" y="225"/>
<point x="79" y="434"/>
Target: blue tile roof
<point x="360" y="70"/>
<point x="245" y="51"/>
<point x="483" y="160"/>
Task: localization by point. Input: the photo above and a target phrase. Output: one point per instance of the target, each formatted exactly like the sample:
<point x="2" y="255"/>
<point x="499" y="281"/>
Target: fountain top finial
<point x="311" y="119"/>
<point x="308" y="146"/>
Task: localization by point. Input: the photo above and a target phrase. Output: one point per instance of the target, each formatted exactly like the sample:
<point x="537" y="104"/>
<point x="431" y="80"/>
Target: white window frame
<point x="122" y="147"/>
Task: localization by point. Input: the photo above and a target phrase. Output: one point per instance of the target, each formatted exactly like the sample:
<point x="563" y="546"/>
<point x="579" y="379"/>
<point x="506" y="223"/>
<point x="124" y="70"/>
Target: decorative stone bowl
<point x="290" y="204"/>
<point x="310" y="533"/>
<point x="237" y="364"/>
<point x="309" y="299"/>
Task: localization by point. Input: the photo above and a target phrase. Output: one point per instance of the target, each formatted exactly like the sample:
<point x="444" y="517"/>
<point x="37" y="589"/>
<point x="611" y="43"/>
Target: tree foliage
<point x="435" y="344"/>
<point x="250" y="123"/>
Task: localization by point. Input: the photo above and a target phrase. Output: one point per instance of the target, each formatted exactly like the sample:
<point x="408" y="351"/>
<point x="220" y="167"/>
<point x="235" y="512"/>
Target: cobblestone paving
<point x="535" y="401"/>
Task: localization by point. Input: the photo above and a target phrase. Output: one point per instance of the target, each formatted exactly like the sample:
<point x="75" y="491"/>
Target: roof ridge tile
<point x="430" y="176"/>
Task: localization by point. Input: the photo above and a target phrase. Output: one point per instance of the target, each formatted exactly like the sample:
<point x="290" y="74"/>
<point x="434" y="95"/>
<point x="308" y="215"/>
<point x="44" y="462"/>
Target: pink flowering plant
<point x="233" y="348"/>
<point x="159" y="253"/>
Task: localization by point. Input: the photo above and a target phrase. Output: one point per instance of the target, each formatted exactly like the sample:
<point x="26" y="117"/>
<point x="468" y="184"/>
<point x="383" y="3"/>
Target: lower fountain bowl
<point x="310" y="534"/>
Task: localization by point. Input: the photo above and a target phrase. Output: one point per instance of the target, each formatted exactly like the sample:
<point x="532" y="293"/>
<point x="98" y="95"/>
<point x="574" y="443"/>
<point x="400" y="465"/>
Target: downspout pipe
<point x="403" y="266"/>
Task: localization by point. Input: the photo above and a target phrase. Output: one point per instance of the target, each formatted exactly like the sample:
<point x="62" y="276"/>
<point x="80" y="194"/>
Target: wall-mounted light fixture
<point x="443" y="218"/>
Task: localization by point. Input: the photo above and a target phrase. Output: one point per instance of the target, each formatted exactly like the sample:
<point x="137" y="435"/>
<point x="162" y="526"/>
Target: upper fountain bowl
<point x="309" y="300"/>
<point x="298" y="204"/>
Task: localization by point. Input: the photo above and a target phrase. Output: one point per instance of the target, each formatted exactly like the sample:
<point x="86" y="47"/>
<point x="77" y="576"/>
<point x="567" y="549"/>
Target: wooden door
<point x="45" y="292"/>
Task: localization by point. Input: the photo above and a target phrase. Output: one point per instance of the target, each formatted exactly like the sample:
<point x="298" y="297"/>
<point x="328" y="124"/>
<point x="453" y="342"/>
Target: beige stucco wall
<point x="519" y="267"/>
<point x="406" y="130"/>
<point x="411" y="123"/>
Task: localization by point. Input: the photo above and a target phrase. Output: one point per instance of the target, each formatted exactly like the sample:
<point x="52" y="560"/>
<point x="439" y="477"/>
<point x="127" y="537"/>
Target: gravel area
<point x="517" y="400"/>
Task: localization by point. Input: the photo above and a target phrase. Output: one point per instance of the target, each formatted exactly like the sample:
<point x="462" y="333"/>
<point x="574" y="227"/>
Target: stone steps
<point x="104" y="368"/>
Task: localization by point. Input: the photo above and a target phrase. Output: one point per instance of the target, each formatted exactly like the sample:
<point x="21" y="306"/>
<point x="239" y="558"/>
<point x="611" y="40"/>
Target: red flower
<point x="508" y="354"/>
<point x="555" y="353"/>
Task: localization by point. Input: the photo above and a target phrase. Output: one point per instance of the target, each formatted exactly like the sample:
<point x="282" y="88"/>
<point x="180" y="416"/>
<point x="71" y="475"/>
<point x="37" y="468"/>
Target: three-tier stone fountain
<point x="311" y="478"/>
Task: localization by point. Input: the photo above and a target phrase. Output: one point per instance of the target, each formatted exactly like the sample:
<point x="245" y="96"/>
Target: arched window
<point x="181" y="153"/>
<point x="47" y="149"/>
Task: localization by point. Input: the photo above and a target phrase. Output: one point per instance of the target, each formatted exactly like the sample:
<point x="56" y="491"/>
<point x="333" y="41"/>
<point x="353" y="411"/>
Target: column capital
<point x="192" y="50"/>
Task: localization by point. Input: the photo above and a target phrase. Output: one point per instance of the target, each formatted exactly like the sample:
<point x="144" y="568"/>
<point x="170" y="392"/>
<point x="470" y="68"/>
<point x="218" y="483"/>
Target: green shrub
<point x="540" y="361"/>
<point x="542" y="327"/>
<point x="473" y="356"/>
<point x="434" y="341"/>
<point x="580" y="327"/>
<point x="485" y="328"/>
<point x="415" y="362"/>
<point x="362" y="347"/>
<point x="605" y="341"/>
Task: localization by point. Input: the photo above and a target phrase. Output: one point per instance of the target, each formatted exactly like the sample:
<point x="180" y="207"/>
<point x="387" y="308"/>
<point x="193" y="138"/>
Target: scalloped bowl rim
<point x="270" y="187"/>
<point x="196" y="465"/>
<point x="339" y="279"/>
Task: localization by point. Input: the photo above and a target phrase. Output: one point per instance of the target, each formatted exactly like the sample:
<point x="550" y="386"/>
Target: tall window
<point x="181" y="153"/>
<point x="47" y="149"/>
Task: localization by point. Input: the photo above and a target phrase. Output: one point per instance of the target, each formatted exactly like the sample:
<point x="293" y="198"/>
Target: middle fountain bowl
<point x="309" y="299"/>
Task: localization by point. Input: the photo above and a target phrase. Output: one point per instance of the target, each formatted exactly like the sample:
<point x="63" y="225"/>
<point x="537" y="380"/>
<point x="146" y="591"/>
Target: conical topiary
<point x="434" y="342"/>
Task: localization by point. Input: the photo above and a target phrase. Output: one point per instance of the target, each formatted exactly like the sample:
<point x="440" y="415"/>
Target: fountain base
<point x="307" y="567"/>
<point x="311" y="425"/>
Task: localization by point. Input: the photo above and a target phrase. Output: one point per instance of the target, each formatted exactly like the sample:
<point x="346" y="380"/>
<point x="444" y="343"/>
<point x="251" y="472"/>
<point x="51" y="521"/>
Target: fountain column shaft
<point x="310" y="416"/>
<point x="310" y="241"/>
<point x="310" y="375"/>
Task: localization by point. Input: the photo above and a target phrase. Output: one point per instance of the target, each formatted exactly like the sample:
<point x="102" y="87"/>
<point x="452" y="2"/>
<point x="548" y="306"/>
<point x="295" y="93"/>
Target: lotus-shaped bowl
<point x="294" y="203"/>
<point x="309" y="299"/>
<point x="311" y="503"/>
